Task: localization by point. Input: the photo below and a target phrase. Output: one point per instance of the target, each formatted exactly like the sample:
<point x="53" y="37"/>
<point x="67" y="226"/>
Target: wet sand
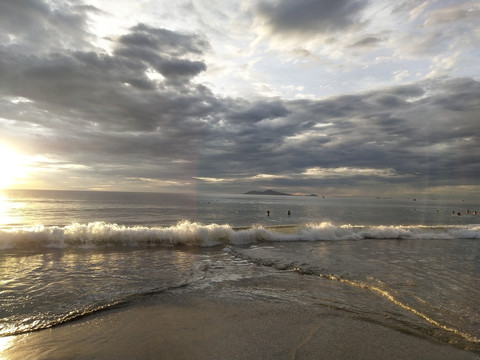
<point x="204" y="327"/>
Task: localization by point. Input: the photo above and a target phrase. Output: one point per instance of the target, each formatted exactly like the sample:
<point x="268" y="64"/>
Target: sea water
<point x="408" y="264"/>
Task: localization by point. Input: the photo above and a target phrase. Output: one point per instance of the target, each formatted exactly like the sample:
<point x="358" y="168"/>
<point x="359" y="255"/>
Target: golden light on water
<point x="5" y="344"/>
<point x="13" y="167"/>
<point x="10" y="212"/>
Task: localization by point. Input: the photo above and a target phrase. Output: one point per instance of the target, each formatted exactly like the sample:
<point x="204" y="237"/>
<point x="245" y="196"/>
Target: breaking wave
<point x="100" y="234"/>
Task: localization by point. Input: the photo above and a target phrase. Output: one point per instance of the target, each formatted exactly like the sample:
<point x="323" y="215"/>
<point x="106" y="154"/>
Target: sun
<point x="13" y="167"/>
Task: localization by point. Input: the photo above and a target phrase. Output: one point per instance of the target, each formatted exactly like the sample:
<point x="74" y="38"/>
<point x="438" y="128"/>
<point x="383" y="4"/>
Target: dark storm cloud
<point x="106" y="114"/>
<point x="309" y="16"/>
<point x="166" y="41"/>
<point x="163" y="50"/>
<point x="112" y="90"/>
<point x="27" y="23"/>
<point x="102" y="111"/>
<point x="260" y="110"/>
<point x="395" y="134"/>
<point x="366" y="42"/>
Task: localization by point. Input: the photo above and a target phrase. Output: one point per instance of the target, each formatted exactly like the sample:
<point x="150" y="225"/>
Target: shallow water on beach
<point x="408" y="265"/>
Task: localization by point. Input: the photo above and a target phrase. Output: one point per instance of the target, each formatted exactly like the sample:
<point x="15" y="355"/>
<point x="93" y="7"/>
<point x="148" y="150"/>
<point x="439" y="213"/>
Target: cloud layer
<point x="307" y="17"/>
<point x="137" y="116"/>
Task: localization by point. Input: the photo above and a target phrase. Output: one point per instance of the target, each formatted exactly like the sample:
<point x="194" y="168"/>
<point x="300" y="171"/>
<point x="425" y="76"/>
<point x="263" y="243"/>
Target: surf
<point x="186" y="233"/>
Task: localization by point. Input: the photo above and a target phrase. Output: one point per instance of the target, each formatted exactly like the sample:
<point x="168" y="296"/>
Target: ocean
<point x="407" y="264"/>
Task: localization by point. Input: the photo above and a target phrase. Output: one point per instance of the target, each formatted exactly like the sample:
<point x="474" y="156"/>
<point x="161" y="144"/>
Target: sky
<point x="332" y="97"/>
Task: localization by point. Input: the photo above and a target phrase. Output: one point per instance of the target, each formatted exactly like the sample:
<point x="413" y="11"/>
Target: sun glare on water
<point x="13" y="167"/>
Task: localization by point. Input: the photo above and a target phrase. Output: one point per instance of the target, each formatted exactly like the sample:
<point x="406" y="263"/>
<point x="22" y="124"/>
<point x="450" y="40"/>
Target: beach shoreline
<point x="200" y="326"/>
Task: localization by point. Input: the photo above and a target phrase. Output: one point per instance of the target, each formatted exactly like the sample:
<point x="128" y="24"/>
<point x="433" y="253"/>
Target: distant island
<point x="266" y="192"/>
<point x="272" y="192"/>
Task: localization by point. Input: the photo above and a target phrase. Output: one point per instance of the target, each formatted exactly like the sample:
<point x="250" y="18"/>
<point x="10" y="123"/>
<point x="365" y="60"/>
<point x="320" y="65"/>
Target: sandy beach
<point x="200" y="326"/>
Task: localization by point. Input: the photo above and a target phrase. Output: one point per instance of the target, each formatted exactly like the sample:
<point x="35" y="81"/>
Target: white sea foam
<point x="100" y="234"/>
